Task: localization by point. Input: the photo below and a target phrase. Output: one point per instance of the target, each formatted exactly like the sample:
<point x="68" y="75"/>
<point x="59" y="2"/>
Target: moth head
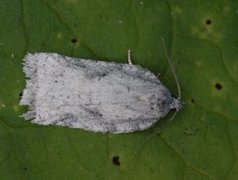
<point x="176" y="103"/>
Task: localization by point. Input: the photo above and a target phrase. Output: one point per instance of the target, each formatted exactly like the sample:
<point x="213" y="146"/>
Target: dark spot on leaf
<point x="218" y="86"/>
<point x="208" y="22"/>
<point x="20" y="94"/>
<point x="25" y="168"/>
<point x="74" y="40"/>
<point x="116" y="161"/>
<point x="192" y="100"/>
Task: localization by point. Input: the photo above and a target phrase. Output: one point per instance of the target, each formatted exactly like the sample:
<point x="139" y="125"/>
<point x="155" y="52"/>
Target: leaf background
<point x="201" y="37"/>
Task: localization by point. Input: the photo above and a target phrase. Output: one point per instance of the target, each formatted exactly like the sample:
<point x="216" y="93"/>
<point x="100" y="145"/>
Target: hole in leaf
<point x="74" y="40"/>
<point x="20" y="95"/>
<point x="208" y="22"/>
<point x="218" y="86"/>
<point x="116" y="161"/>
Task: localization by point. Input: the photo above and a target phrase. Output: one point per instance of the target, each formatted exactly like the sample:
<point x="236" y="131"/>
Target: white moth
<point x="93" y="95"/>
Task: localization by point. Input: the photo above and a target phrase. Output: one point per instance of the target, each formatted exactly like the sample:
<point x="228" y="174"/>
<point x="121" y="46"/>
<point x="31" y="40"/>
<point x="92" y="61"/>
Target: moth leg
<point x="129" y="57"/>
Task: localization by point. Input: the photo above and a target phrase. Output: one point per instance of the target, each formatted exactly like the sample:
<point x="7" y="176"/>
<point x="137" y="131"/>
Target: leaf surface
<point x="201" y="37"/>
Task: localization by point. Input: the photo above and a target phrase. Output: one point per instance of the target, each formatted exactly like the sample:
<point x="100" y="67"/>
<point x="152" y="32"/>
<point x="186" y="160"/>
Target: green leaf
<point x="201" y="37"/>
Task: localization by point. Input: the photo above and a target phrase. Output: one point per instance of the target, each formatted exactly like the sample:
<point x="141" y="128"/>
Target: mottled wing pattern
<point x="93" y="95"/>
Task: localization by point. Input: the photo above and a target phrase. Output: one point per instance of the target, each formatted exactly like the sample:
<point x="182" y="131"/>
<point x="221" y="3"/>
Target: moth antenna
<point x="157" y="131"/>
<point x="172" y="67"/>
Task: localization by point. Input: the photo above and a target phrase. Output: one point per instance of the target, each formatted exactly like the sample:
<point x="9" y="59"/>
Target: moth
<point x="93" y="95"/>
